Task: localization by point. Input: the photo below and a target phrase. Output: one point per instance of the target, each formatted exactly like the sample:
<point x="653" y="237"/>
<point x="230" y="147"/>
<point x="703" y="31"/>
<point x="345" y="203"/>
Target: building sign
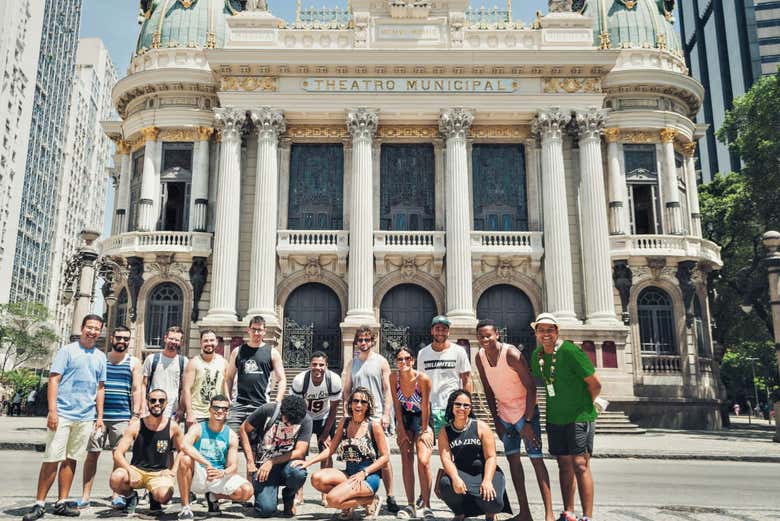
<point x="411" y="85"/>
<point x="408" y="32"/>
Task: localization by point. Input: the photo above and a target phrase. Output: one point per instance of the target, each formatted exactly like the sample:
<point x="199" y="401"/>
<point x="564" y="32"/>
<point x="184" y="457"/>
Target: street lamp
<point x="771" y="240"/>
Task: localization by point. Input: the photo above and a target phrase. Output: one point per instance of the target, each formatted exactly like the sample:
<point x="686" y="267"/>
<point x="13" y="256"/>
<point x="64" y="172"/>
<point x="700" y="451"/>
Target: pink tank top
<point x="509" y="391"/>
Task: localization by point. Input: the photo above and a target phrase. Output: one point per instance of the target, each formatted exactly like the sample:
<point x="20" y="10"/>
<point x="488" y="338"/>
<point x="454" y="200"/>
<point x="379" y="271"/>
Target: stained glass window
<point x="316" y="200"/>
<point x="407" y="181"/>
<point x="498" y="180"/>
<point x="163" y="311"/>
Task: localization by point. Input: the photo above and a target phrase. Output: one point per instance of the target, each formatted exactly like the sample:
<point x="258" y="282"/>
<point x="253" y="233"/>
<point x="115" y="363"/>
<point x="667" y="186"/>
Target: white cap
<point x="544" y="318"/>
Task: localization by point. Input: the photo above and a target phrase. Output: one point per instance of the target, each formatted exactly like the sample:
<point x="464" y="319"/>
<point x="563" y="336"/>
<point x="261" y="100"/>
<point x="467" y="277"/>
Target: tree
<point x="25" y="335"/>
<point x="21" y="380"/>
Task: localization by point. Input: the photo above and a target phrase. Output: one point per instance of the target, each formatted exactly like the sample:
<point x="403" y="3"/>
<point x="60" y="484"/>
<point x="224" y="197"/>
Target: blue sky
<point x="116" y="21"/>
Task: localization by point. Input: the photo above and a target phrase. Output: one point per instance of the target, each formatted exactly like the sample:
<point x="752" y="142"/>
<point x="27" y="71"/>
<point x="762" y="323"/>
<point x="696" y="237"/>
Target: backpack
<point x="155" y="363"/>
<point x="307" y="381"/>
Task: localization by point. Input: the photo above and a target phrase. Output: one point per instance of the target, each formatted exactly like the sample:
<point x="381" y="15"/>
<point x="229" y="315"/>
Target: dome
<point x="184" y="23"/>
<point x="622" y="24"/>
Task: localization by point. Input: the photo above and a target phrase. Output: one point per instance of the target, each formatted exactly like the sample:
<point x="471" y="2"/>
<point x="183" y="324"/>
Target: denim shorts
<point x="512" y="437"/>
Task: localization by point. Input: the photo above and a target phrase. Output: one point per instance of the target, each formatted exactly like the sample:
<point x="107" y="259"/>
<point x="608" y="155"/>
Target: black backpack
<point x="155" y="363"/>
<point x="307" y="382"/>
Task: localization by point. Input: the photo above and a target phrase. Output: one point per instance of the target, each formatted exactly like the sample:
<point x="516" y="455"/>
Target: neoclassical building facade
<point x="403" y="159"/>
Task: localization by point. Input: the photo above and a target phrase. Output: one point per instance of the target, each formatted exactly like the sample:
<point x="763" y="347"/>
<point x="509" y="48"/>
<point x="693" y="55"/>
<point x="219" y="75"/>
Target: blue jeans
<point x="267" y="492"/>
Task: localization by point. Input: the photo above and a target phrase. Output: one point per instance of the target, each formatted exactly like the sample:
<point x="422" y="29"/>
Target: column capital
<point x="362" y="123"/>
<point x="150" y="133"/>
<point x="204" y="133"/>
<point x="122" y="146"/>
<point x="269" y="122"/>
<point x="689" y="149"/>
<point x="612" y="134"/>
<point x="590" y="122"/>
<point x="229" y="120"/>
<point x="455" y="122"/>
<point x="550" y="123"/>
<point x="667" y="135"/>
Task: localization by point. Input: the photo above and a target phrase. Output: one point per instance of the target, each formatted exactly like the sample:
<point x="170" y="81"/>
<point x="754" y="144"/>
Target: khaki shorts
<point x="111" y="434"/>
<point x="224" y="486"/>
<point x="69" y="441"/>
<point x="151" y="480"/>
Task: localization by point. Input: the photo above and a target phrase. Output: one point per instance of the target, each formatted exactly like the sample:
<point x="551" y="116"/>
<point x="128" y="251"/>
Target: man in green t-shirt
<point x="571" y="385"/>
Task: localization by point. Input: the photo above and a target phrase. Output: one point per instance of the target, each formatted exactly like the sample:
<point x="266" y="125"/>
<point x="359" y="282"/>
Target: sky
<point x="116" y="21"/>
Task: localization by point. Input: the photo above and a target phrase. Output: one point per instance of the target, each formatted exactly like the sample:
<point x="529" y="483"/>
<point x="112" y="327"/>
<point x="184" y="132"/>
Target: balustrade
<point x="197" y="243"/>
<point x="668" y="364"/>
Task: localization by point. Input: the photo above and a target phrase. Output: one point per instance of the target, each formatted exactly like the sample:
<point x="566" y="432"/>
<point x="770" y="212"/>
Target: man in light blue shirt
<point x="75" y="397"/>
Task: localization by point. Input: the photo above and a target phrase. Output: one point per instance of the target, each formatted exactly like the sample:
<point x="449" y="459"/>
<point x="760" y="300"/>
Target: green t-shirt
<point x="572" y="402"/>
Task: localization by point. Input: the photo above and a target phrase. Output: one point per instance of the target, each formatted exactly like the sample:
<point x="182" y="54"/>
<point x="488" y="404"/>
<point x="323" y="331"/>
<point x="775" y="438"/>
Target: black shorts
<point x="316" y="428"/>
<point x="572" y="439"/>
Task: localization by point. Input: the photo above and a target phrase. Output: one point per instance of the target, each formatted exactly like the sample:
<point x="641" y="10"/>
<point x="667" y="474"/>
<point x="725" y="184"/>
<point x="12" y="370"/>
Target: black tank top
<point x="254" y="372"/>
<point x="466" y="448"/>
<point x="152" y="449"/>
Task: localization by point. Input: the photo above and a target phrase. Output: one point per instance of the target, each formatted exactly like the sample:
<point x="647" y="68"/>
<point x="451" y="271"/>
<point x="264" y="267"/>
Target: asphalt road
<point x="626" y="489"/>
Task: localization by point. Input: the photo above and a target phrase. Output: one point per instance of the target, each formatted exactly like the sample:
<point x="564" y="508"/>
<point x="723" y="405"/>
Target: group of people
<point x="184" y="421"/>
<point x="14" y="405"/>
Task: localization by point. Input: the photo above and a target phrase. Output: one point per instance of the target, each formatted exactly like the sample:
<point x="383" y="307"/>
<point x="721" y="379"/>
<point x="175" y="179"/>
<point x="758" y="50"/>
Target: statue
<point x="256" y="5"/>
<point x="559" y="6"/>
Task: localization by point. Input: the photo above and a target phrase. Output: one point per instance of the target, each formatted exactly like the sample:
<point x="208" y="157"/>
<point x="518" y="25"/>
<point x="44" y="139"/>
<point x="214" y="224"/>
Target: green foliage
<point x="736" y="371"/>
<point x="21" y="380"/>
<point x="25" y="334"/>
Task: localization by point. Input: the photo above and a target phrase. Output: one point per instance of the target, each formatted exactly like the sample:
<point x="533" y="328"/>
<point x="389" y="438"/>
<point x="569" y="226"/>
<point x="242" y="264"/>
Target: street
<point x="626" y="489"/>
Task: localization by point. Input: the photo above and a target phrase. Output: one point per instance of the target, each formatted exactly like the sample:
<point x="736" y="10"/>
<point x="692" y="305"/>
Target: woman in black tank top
<point x="472" y="484"/>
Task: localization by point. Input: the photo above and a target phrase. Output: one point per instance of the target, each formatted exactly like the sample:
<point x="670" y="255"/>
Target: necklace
<point x="550" y="378"/>
<point x="468" y="422"/>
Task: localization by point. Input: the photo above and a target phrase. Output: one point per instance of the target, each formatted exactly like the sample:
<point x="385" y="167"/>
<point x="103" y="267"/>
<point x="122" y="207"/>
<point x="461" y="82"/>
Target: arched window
<point x="163" y="310"/>
<point x="656" y="325"/>
<point x="120" y="309"/>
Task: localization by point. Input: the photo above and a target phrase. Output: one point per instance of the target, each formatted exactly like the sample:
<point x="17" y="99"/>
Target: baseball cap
<point x="544" y="318"/>
<point x="440" y="319"/>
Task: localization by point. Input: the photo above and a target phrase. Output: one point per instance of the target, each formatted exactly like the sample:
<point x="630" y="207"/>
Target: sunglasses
<point x="363" y="341"/>
<point x="217" y="408"/>
<point x="256" y="331"/>
<point x="122" y="338"/>
<point x="459" y="405"/>
<point x="358" y="400"/>
<point x="403" y="359"/>
<point x="155" y="401"/>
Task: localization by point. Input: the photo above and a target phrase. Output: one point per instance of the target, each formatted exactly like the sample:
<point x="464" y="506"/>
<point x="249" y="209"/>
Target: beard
<point x="120" y="348"/>
<point x="157" y="411"/>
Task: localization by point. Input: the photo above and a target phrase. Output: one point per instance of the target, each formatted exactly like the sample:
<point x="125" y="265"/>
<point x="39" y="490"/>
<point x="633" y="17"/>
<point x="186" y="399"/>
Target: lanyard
<point x="550" y="379"/>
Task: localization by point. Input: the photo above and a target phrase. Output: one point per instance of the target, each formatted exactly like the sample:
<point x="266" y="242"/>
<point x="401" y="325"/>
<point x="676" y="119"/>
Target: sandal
<point x="346" y="515"/>
<point x="427" y="515"/>
<point x="406" y="513"/>
<point x="373" y="508"/>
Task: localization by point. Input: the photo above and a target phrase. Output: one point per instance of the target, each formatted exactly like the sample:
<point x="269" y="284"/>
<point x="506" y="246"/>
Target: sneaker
<point x="66" y="509"/>
<point x="131" y="502"/>
<point x="154" y="505"/>
<point x="118" y="503"/>
<point x="80" y="504"/>
<point x="392" y="506"/>
<point x="419" y="503"/>
<point x="213" y="503"/>
<point x="288" y="505"/>
<point x="567" y="516"/>
<point x="36" y="512"/>
<point x="186" y="513"/>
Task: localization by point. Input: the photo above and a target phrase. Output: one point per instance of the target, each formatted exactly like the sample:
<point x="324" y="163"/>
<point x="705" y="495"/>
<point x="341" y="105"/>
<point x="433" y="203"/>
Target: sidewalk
<point x="740" y="443"/>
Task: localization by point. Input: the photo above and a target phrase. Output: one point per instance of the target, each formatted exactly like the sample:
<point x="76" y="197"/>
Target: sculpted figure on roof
<point x="559" y="6"/>
<point x="256" y="5"/>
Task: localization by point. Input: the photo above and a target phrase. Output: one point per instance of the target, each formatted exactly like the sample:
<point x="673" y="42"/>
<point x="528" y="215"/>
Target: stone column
<point x="87" y="256"/>
<point x="599" y="302"/>
<point x="147" y="219"/>
<point x="671" y="193"/>
<point x="549" y="125"/>
<point x="123" y="190"/>
<point x="693" y="189"/>
<point x="362" y="124"/>
<point x="224" y="279"/>
<point x="454" y="127"/>
<point x="532" y="153"/>
<point x="262" y="275"/>
<point x="200" y="180"/>
<point x="617" y="185"/>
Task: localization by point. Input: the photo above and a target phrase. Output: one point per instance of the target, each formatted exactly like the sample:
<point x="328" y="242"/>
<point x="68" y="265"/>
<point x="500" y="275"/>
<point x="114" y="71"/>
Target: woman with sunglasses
<point x="411" y="399"/>
<point x="472" y="484"/>
<point x="361" y="444"/>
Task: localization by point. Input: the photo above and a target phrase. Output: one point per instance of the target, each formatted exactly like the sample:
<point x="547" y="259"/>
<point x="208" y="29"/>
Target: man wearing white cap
<point x="572" y="388"/>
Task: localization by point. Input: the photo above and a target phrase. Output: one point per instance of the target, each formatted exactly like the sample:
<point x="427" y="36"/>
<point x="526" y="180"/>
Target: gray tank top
<point x="368" y="373"/>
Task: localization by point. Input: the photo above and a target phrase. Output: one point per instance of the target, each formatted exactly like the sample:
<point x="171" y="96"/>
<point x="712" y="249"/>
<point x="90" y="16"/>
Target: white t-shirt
<point x="317" y="397"/>
<point x="167" y="377"/>
<point x="444" y="369"/>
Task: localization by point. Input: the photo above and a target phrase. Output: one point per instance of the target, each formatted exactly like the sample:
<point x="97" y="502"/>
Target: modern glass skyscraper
<point x="728" y="44"/>
<point x="46" y="151"/>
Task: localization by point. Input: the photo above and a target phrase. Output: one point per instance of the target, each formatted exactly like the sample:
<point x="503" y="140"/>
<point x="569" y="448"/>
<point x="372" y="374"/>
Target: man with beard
<point x="210" y="461"/>
<point x="370" y="370"/>
<point x="203" y="379"/>
<point x="153" y="440"/>
<point x="165" y="371"/>
<point x="75" y="398"/>
<point x="122" y="404"/>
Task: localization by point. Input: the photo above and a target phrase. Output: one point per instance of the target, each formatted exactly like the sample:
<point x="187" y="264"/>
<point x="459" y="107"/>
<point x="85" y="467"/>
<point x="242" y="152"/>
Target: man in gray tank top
<point x="370" y="369"/>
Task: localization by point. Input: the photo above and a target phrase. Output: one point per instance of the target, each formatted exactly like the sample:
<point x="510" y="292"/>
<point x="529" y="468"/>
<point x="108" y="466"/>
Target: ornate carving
<point x="135" y="279"/>
<point x="312" y="132"/>
<point x="182" y="135"/>
<point x="362" y="123"/>
<point x="605" y="41"/>
<point x="249" y="83"/>
<point x="499" y="132"/>
<point x="417" y="132"/>
<point x="313" y="268"/>
<point x="571" y="85"/>
<point x="590" y="122"/>
<point x="667" y="135"/>
<point x="612" y="134"/>
<point x="630" y="4"/>
<point x="637" y="137"/>
<point x="150" y="133"/>
<point x="204" y="133"/>
<point x="559" y="6"/>
<point x="689" y="149"/>
<point x="256" y="5"/>
<point x="198" y="275"/>
<point x="269" y="122"/>
<point x="122" y="146"/>
<point x="656" y="266"/>
<point x="455" y="123"/>
<point x="230" y="122"/>
<point x="685" y="272"/>
<point x="623" y="278"/>
<point x="550" y="123"/>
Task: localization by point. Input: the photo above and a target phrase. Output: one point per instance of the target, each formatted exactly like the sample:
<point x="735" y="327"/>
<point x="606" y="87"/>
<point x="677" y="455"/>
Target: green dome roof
<point x="184" y="23"/>
<point x="620" y="24"/>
